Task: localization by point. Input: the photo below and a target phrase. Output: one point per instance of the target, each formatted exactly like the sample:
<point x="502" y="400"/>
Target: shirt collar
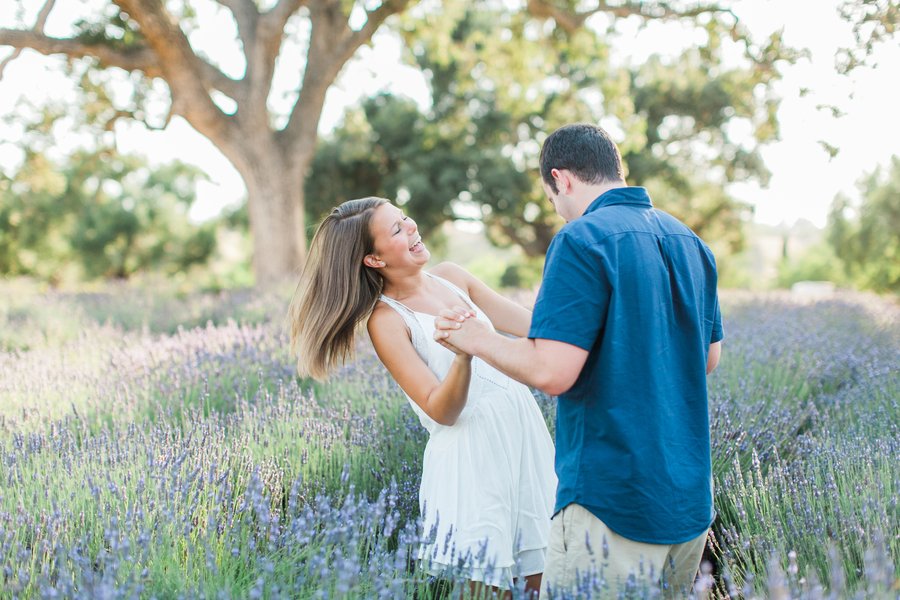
<point x="623" y="195"/>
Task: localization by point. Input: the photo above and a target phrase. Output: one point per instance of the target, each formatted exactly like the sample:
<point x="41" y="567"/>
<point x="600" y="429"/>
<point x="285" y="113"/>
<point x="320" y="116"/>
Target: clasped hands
<point x="456" y="329"/>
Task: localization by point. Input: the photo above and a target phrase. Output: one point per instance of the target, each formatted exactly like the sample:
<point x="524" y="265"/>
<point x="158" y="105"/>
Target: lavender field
<point x="160" y="445"/>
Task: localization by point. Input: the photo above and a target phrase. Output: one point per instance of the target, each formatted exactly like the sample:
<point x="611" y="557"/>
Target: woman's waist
<point x="493" y="410"/>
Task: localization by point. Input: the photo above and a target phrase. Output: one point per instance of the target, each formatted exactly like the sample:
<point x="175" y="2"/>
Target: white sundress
<point x="488" y="484"/>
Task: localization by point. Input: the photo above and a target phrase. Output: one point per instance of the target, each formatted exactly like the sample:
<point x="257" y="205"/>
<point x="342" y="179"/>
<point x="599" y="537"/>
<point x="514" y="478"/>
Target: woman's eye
<point x="399" y="229"/>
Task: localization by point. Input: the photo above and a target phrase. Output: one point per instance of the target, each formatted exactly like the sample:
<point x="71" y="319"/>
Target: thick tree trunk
<point x="275" y="204"/>
<point x="533" y="238"/>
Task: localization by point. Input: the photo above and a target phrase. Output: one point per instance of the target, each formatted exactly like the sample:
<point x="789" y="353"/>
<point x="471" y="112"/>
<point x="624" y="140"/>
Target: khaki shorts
<point x="583" y="551"/>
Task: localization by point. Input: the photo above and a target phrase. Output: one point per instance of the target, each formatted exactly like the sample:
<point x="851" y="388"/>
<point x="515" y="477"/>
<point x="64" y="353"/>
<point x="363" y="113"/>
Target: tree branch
<point x="38" y="28"/>
<point x="332" y="43"/>
<point x="42" y="16"/>
<point x="277" y="17"/>
<point x="8" y="60"/>
<point x="328" y="28"/>
<point x="186" y="74"/>
<point x="139" y="58"/>
<point x="570" y="21"/>
<point x="245" y="15"/>
<point x="374" y="19"/>
<point x="261" y="47"/>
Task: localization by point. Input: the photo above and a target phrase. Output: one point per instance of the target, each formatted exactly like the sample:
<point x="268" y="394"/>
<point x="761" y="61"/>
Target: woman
<point x="488" y="483"/>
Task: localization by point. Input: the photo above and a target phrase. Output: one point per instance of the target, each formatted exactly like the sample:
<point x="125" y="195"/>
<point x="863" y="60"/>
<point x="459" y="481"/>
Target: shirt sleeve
<point x="574" y="295"/>
<point x="718" y="332"/>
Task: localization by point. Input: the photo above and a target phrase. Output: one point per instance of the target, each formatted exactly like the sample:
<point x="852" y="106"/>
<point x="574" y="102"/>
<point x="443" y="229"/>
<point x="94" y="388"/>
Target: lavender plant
<point x="162" y="446"/>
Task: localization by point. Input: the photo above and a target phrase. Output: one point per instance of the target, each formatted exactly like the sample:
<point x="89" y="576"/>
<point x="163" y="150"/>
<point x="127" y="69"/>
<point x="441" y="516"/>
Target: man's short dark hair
<point x="584" y="149"/>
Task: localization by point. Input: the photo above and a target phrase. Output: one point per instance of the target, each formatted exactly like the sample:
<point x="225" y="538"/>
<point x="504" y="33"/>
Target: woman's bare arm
<point x="444" y="400"/>
<point x="506" y="315"/>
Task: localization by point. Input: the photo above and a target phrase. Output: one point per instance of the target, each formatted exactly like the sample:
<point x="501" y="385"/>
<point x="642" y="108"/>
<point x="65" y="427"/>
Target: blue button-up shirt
<point x="636" y="288"/>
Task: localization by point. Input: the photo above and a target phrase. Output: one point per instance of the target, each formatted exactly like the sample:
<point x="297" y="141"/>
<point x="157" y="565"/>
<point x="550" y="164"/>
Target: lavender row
<point x="167" y="461"/>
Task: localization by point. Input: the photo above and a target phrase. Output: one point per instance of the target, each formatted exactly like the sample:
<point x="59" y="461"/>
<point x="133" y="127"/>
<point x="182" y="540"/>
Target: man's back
<point x="637" y="289"/>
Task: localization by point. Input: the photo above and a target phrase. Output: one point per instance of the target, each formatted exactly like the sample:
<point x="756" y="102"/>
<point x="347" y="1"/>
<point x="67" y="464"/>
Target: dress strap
<point x="396" y="305"/>
<point x="416" y="333"/>
<point x="456" y="290"/>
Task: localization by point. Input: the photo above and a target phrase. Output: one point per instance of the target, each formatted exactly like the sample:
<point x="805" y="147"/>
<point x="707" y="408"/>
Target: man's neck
<point x="588" y="192"/>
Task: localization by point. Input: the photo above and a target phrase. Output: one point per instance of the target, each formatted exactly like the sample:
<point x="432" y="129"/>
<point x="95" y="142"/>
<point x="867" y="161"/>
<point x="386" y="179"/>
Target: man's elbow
<point x="554" y="383"/>
<point x="712" y="359"/>
<point x="555" y="390"/>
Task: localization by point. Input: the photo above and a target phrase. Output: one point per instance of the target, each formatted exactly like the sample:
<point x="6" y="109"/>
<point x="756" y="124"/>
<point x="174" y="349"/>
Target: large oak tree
<point x="150" y="39"/>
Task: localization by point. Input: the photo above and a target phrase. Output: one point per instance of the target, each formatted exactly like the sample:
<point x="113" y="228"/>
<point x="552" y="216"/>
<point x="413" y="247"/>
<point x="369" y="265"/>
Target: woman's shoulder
<point x="384" y="316"/>
<point x="382" y="313"/>
<point x="384" y="322"/>
<point x="453" y="273"/>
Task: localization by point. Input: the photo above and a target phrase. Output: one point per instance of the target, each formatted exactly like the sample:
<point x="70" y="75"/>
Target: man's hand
<point x="548" y="365"/>
<point x="457" y="329"/>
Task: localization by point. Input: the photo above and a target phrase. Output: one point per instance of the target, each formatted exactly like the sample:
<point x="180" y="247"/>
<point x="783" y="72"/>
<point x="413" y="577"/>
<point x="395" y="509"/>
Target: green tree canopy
<point x="865" y="238"/>
<point x="501" y="80"/>
<point x="874" y="22"/>
<point x="92" y="211"/>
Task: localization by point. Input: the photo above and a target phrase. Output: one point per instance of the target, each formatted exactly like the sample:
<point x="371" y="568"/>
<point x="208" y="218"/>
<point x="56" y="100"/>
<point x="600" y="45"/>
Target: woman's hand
<point x="456" y="330"/>
<point x="449" y="320"/>
<point x="452" y="318"/>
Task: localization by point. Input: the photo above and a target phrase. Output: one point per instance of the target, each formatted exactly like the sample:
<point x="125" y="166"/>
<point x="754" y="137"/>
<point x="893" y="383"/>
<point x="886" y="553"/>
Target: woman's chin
<point x="422" y="254"/>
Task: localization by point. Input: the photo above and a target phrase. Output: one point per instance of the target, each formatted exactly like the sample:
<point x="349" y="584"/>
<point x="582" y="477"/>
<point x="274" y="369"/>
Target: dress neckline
<point x="449" y="285"/>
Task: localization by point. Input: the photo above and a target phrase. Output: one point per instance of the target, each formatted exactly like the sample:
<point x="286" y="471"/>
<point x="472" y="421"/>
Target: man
<point x="626" y="326"/>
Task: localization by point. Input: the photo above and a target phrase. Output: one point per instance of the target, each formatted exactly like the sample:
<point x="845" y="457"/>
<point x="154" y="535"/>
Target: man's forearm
<point x="517" y="357"/>
<point x="549" y="365"/>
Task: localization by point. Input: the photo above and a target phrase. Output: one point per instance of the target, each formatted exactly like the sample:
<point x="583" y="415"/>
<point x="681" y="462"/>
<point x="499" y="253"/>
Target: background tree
<point x="874" y="22"/>
<point x="151" y="41"/>
<point x="93" y="212"/>
<point x="865" y="238"/>
<point x="501" y="80"/>
<point x="387" y="147"/>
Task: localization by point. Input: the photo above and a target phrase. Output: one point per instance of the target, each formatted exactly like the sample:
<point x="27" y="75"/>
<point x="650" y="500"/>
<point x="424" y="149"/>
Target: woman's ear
<point x="372" y="261"/>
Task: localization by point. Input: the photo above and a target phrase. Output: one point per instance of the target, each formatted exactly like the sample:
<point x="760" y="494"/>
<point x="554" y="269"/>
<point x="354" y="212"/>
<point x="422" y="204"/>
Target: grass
<point x="158" y="444"/>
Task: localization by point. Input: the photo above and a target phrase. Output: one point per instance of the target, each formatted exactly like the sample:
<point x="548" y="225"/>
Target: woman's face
<point x="396" y="239"/>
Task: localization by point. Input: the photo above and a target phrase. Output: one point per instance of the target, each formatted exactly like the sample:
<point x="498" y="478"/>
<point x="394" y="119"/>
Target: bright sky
<point x="804" y="178"/>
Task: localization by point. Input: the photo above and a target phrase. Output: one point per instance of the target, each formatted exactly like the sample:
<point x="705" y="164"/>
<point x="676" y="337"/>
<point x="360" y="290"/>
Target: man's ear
<point x="370" y="260"/>
<point x="563" y="180"/>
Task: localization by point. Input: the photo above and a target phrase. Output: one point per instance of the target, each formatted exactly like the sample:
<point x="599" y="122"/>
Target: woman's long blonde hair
<point x="336" y="291"/>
